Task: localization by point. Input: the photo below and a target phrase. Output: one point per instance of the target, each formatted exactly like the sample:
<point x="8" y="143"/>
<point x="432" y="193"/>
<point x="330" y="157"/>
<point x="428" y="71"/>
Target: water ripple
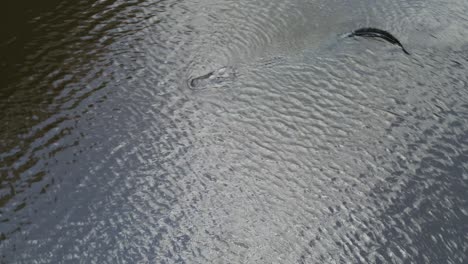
<point x="235" y="132"/>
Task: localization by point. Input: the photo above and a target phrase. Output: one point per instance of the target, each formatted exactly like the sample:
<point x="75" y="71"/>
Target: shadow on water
<point x="55" y="55"/>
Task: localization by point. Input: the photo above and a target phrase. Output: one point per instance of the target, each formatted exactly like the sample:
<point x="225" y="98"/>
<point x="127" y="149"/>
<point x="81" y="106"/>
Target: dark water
<point x="302" y="147"/>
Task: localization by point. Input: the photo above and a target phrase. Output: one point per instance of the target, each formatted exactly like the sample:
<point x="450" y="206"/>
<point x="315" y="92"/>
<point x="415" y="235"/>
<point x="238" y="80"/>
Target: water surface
<point x="305" y="148"/>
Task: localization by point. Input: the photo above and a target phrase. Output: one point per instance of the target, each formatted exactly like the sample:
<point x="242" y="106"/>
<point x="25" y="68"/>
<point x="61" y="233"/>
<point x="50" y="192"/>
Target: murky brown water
<point x="302" y="147"/>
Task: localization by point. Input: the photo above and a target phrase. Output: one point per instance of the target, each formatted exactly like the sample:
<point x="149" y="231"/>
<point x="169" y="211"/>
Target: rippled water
<point x="301" y="147"/>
